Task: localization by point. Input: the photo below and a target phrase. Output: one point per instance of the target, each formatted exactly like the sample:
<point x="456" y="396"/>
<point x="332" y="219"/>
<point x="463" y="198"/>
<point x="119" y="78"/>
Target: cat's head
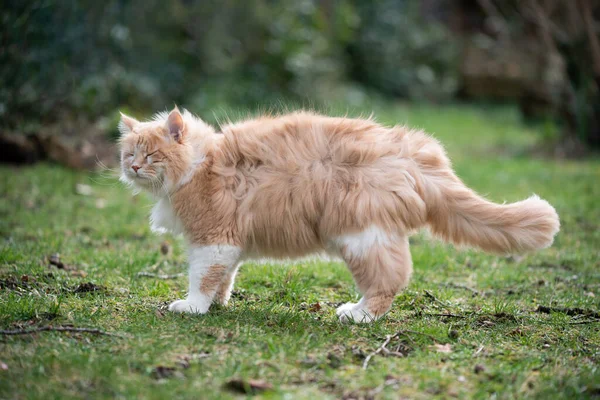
<point x="157" y="155"/>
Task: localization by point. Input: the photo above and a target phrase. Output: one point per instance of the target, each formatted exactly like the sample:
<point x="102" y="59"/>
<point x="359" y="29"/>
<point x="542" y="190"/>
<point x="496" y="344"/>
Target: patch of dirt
<point x="174" y="370"/>
<point x="28" y="283"/>
<point x="569" y="311"/>
<point x="497" y="318"/>
<point x="13" y="283"/>
<point x="163" y="372"/>
<point x="44" y="284"/>
<point x="54" y="260"/>
<point x="249" y="386"/>
<point x="479" y="368"/>
<point x="550" y="265"/>
<point x="313" y="308"/>
<point x="165" y="248"/>
<point x="89" y="287"/>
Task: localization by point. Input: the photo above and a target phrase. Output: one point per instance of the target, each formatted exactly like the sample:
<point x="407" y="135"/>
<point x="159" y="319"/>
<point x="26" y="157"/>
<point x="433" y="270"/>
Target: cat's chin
<point x="138" y="183"/>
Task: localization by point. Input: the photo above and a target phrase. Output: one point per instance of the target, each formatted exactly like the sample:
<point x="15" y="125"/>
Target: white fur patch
<point x="358" y="244"/>
<point x="163" y="218"/>
<point x="202" y="258"/>
<point x="356" y="312"/>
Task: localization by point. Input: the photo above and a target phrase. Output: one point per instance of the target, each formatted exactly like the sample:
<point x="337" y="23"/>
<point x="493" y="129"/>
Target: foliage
<point x="87" y="59"/>
<point x="66" y="56"/>
<point x="564" y="36"/>
<point x="400" y="52"/>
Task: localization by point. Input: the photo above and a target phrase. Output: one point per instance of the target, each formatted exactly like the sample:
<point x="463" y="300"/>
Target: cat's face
<point x="154" y="155"/>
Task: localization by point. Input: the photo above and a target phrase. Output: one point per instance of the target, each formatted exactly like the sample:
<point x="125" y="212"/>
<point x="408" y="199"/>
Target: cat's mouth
<point x="135" y="178"/>
<point x="140" y="175"/>
<point x="143" y="180"/>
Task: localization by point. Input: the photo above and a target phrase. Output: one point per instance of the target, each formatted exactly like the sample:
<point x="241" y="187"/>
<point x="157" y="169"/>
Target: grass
<point x="281" y="326"/>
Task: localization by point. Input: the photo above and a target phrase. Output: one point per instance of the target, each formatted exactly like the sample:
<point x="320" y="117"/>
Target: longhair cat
<point x="289" y="185"/>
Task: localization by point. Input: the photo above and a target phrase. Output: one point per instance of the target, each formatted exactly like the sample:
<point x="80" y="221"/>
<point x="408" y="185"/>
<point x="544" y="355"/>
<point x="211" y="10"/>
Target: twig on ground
<point x="388" y="338"/>
<point x="587" y="321"/>
<point x="446" y="315"/>
<point x="568" y="311"/>
<point x="479" y="350"/>
<point x="470" y="289"/>
<point x="380" y="349"/>
<point x="160" y="276"/>
<point x="432" y="297"/>
<point x="94" y="331"/>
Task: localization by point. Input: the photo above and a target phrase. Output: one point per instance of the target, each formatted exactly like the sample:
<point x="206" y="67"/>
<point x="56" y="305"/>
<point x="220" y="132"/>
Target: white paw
<point x="186" y="306"/>
<point x="344" y="307"/>
<point x="354" y="312"/>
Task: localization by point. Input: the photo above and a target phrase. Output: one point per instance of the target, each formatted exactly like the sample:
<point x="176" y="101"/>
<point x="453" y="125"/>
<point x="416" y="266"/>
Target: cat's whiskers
<point x="112" y="177"/>
<point x="114" y="181"/>
<point x="104" y="167"/>
<point x="106" y="172"/>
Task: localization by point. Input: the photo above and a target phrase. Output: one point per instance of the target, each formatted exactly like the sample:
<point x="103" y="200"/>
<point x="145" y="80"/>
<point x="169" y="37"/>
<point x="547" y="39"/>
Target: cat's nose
<point x="135" y="168"/>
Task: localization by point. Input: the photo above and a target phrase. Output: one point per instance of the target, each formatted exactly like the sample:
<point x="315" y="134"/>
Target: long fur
<point x="298" y="183"/>
<point x="459" y="215"/>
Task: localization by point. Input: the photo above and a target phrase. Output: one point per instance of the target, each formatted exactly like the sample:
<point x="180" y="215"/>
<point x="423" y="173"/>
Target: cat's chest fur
<point x="163" y="218"/>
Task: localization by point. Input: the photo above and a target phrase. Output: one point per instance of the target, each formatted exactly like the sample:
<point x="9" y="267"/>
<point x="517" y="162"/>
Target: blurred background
<point x="68" y="67"/>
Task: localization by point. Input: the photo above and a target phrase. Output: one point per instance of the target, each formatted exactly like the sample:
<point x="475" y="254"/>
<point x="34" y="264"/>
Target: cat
<point x="290" y="185"/>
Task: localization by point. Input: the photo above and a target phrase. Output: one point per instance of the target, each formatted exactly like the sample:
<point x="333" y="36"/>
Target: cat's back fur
<point x="289" y="184"/>
<point x="286" y="185"/>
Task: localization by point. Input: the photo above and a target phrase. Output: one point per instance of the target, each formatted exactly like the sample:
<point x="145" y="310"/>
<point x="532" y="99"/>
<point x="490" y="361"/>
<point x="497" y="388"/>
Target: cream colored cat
<point x="290" y="185"/>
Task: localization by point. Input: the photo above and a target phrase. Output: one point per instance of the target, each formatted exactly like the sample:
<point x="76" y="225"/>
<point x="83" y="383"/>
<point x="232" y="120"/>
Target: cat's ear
<point x="127" y="124"/>
<point x="176" y="125"/>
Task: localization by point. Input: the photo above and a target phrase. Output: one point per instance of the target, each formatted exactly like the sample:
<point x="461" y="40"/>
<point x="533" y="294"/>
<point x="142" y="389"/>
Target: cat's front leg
<point x="224" y="291"/>
<point x="209" y="266"/>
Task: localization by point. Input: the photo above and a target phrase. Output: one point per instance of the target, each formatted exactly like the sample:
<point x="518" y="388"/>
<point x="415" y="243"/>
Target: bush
<point x="401" y="53"/>
<point x="86" y="59"/>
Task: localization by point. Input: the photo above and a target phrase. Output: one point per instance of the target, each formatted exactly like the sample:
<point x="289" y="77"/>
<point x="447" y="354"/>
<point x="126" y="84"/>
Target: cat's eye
<point x="129" y="154"/>
<point x="147" y="158"/>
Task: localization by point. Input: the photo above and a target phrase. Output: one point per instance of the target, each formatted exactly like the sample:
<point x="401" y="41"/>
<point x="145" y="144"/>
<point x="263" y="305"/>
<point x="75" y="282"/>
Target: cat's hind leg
<point x="209" y="267"/>
<point x="381" y="265"/>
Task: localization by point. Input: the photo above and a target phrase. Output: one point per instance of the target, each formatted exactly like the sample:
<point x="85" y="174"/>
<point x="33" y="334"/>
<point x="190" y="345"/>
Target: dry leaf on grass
<point x="443" y="348"/>
<point x="88" y="287"/>
<point x="54" y="259"/>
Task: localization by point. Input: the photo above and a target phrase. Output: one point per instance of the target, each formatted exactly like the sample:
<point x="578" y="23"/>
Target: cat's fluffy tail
<point x="459" y="215"/>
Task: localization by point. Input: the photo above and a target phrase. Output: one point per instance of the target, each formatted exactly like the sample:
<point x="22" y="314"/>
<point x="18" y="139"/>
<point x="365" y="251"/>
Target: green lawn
<point x="468" y="325"/>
